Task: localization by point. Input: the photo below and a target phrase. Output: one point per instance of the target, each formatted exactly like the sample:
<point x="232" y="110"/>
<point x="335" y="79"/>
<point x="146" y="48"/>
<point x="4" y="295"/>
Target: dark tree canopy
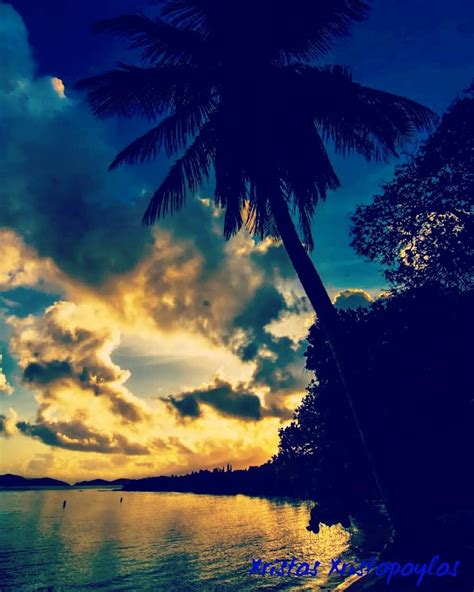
<point x="421" y="227"/>
<point x="416" y="398"/>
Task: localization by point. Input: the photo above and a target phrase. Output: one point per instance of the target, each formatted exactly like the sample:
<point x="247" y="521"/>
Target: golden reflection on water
<point x="157" y="541"/>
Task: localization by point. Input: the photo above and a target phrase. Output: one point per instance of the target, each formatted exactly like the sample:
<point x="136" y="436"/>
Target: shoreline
<point x="114" y="488"/>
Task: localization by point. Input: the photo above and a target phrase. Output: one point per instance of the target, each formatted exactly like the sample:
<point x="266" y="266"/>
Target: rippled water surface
<point x="170" y="542"/>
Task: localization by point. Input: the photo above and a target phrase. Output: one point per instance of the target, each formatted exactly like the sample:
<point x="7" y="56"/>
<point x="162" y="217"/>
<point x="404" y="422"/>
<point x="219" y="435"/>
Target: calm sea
<point x="170" y="542"/>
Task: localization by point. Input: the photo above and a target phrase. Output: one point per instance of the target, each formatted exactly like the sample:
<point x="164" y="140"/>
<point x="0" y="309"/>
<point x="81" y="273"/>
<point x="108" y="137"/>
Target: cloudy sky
<point x="131" y="352"/>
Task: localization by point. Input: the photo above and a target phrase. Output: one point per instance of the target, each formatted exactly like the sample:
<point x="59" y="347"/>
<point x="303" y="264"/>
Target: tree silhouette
<point x="418" y="398"/>
<point x="421" y="227"/>
<point x="240" y="98"/>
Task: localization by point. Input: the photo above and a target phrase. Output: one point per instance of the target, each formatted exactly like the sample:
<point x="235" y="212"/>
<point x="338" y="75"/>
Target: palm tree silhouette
<point x="239" y="97"/>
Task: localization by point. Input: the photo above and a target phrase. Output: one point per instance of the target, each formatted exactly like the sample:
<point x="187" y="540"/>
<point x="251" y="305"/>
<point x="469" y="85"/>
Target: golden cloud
<point x="58" y="87"/>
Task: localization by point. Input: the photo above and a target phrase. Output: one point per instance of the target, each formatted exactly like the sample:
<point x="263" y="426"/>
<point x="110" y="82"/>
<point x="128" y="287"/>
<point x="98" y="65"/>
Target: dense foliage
<point x="415" y="398"/>
<point x="421" y="227"/>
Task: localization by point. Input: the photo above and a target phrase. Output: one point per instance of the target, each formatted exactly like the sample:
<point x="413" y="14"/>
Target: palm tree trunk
<point x="327" y="317"/>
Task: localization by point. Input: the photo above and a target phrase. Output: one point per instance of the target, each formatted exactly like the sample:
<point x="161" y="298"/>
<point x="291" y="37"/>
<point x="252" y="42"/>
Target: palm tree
<point x="237" y="96"/>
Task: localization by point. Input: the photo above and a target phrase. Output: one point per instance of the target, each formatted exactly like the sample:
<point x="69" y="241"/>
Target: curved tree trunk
<point x="327" y="317"/>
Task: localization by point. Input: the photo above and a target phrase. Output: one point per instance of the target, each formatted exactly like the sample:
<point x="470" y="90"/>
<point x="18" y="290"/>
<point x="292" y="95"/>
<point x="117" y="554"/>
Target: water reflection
<point x="155" y="541"/>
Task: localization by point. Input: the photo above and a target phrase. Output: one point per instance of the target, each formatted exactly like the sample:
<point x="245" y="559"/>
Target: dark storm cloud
<point x="229" y="292"/>
<point x="266" y="306"/>
<point x="221" y="396"/>
<point x="47" y="372"/>
<point x="278" y="360"/>
<point x="56" y="191"/>
<point x="74" y="435"/>
<point x="227" y="285"/>
<point x="281" y="371"/>
<point x="186" y="405"/>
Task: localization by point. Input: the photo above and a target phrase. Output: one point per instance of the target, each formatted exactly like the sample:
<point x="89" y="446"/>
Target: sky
<point x="132" y="352"/>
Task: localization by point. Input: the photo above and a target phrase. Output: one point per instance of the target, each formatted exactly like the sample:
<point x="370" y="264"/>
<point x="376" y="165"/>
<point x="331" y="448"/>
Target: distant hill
<point x="260" y="481"/>
<point x="100" y="482"/>
<point x="14" y="481"/>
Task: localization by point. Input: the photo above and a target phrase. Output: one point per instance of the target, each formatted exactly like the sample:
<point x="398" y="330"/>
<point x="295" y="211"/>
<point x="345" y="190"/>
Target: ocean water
<point x="170" y="542"/>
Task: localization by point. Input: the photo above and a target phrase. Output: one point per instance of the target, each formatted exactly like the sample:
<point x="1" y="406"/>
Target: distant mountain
<point x="100" y="483"/>
<point x="13" y="481"/>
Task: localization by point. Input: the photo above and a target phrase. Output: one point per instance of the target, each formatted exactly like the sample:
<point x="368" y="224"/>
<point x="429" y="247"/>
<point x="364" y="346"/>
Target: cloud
<point x="74" y="435"/>
<point x="353" y="298"/>
<point x="184" y="278"/>
<point x="66" y="349"/>
<point x="17" y="61"/>
<point x="65" y="358"/>
<point x="194" y="281"/>
<point x="222" y="396"/>
<point x="3" y="419"/>
<point x="187" y="405"/>
<point x="5" y="388"/>
<point x="41" y="464"/>
<point x="8" y="423"/>
<point x="21" y="266"/>
<point x="48" y="372"/>
<point x="58" y="86"/>
<point x="277" y="360"/>
<point x="71" y="232"/>
<point x="232" y="294"/>
<point x="54" y="152"/>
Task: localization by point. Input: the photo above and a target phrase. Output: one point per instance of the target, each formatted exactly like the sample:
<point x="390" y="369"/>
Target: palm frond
<point x="361" y="119"/>
<point x="185" y="174"/>
<point x="259" y="219"/>
<point x="188" y="14"/>
<point x="159" y="42"/>
<point x="233" y="214"/>
<point x="307" y="30"/>
<point x="128" y="91"/>
<point x="173" y="133"/>
<point x="309" y="176"/>
<point x="299" y="30"/>
<point x="407" y="114"/>
<point x="230" y="189"/>
<point x="230" y="195"/>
